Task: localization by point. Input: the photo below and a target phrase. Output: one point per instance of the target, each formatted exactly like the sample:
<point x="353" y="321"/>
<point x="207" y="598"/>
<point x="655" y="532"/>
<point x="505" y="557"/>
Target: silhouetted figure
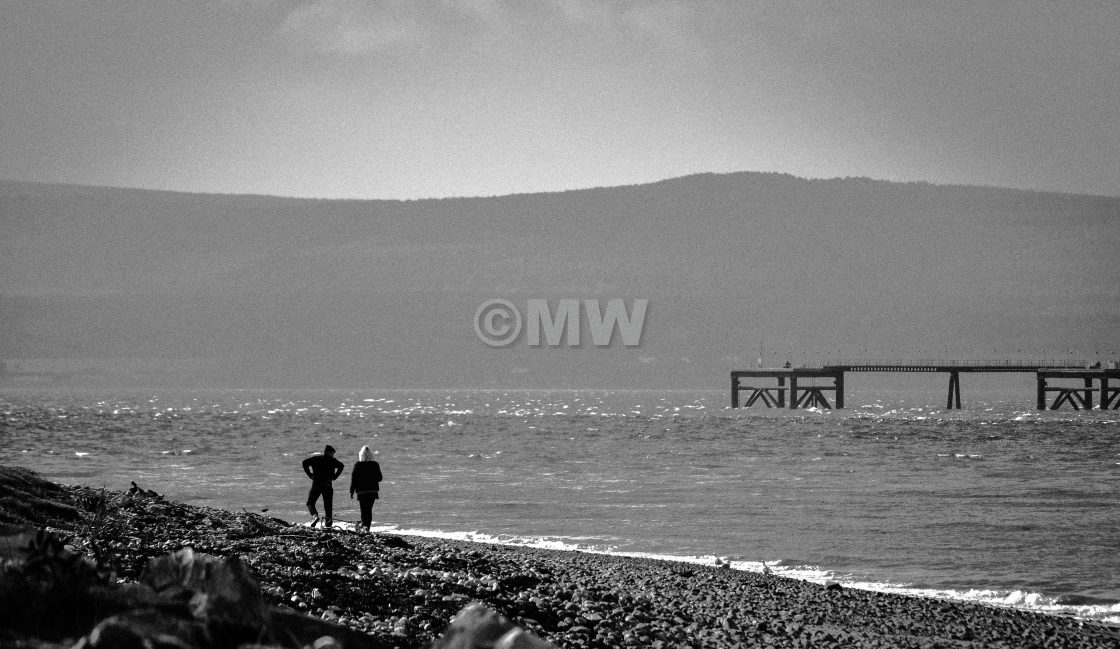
<point x="364" y="481"/>
<point x="322" y="469"/>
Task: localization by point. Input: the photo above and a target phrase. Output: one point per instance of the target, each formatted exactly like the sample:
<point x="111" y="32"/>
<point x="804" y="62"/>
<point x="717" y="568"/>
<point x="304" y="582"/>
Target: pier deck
<point x="780" y="386"/>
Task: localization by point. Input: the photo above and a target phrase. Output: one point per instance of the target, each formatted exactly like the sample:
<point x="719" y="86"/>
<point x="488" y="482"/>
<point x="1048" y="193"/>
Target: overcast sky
<point x="379" y="99"/>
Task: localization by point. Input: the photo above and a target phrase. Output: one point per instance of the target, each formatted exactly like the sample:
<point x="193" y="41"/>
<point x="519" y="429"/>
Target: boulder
<point x="479" y="627"/>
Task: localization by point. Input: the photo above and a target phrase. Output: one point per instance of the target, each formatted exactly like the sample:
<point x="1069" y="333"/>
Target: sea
<point x="995" y="503"/>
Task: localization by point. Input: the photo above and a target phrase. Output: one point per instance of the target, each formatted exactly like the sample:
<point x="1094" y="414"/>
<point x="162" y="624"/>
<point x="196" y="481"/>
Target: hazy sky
<point x="388" y="99"/>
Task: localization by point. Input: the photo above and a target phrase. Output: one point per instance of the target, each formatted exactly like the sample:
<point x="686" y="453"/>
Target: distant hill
<point x="257" y="290"/>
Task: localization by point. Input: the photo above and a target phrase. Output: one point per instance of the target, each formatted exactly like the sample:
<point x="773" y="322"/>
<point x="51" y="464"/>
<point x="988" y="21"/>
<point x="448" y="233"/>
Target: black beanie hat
<point x="328" y="449"/>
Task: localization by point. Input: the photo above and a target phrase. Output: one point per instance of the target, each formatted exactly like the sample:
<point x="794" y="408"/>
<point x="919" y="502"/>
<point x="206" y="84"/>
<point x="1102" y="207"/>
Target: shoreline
<point x="1071" y="606"/>
<point x="401" y="591"/>
<point x="1083" y="608"/>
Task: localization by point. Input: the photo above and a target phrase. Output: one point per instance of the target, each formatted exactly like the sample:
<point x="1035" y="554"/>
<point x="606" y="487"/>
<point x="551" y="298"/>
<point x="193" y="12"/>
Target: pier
<point x="1058" y="383"/>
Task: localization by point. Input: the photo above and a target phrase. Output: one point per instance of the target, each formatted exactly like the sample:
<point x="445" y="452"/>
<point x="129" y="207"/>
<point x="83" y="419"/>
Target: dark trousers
<point x="327" y="492"/>
<point x="365" y="503"/>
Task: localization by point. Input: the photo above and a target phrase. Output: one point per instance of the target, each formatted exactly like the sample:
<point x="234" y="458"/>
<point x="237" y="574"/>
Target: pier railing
<point x="1024" y="363"/>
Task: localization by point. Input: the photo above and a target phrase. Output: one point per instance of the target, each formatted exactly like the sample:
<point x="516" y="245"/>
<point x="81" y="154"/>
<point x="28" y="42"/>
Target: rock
<point x="521" y="639"/>
<point x="198" y="601"/>
<point x="479" y="627"/>
<point x="147" y="628"/>
<point x="395" y="542"/>
<point x="219" y="589"/>
<point x="114" y="633"/>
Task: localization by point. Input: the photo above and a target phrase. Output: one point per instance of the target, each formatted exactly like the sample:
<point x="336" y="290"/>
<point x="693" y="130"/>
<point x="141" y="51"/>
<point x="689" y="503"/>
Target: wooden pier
<point x="1069" y="384"/>
<point x="1079" y="397"/>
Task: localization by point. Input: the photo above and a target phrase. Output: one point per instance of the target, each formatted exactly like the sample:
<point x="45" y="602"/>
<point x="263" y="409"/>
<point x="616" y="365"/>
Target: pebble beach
<point x="399" y="591"/>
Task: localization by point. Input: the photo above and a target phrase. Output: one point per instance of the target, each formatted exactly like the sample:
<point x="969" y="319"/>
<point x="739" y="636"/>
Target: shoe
<point x="328" y="523"/>
<point x="314" y="521"/>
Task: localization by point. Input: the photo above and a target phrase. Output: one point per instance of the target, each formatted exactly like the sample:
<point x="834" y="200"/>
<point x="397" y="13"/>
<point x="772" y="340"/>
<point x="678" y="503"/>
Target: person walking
<point x="364" y="481"/>
<point x="323" y="470"/>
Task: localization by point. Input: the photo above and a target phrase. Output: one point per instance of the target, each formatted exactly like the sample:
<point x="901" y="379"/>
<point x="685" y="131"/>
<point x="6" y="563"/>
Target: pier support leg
<point x="814" y="398"/>
<point x="840" y="390"/>
<point x="1040" y="391"/>
<point x="757" y="394"/>
<point x="1066" y="395"/>
<point x="781" y="393"/>
<point x="793" y="393"/>
<point x="734" y="392"/>
<point x="1088" y="400"/>
<point x="954" y="391"/>
<point x="1110" y="399"/>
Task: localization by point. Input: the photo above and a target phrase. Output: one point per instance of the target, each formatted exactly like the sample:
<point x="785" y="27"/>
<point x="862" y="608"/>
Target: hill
<point x="157" y="287"/>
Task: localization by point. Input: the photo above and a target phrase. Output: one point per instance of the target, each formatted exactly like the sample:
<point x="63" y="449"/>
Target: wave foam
<point x="1108" y="612"/>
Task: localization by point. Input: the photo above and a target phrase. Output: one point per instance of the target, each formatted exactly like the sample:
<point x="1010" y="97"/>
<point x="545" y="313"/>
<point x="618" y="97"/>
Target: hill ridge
<point x="315" y="288"/>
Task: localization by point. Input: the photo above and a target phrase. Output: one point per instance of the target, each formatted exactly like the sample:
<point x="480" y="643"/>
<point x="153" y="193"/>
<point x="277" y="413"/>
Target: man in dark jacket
<point x="323" y="470"/>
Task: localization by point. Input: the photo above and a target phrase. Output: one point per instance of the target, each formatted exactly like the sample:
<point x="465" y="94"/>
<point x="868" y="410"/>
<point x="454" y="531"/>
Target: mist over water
<point x="997" y="503"/>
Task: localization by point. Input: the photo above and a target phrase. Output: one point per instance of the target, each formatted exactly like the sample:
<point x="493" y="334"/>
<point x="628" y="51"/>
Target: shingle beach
<point x="399" y="591"/>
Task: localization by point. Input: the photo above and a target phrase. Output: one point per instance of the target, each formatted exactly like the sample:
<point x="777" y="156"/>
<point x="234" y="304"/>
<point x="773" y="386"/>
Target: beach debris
<point x="136" y="490"/>
<point x="253" y="524"/>
<point x="25" y="498"/>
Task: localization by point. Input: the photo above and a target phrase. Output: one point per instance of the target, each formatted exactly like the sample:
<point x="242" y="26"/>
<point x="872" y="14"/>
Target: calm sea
<point x="996" y="503"/>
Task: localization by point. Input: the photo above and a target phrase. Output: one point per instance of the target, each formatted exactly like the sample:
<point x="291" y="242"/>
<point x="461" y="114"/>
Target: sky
<point x="408" y="99"/>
